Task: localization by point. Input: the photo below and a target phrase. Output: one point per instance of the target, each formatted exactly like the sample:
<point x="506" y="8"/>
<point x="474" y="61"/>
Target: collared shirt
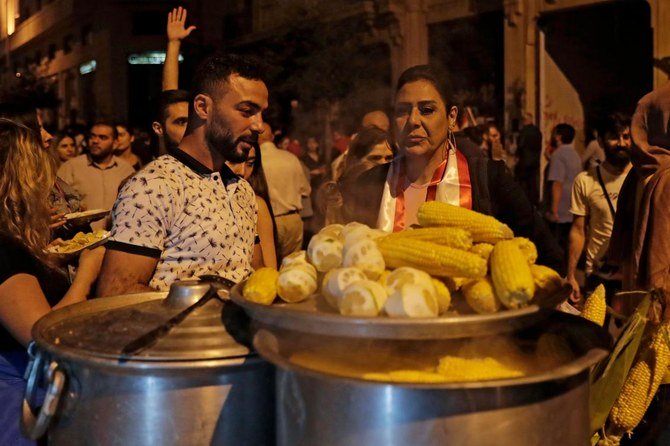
<point x="564" y="166"/>
<point x="286" y="179"/>
<point x="97" y="186"/>
<point x="193" y="220"/>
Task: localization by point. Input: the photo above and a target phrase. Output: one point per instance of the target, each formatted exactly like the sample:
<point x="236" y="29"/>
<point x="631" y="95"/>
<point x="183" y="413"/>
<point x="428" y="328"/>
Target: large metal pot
<point x="196" y="386"/>
<point x="321" y="408"/>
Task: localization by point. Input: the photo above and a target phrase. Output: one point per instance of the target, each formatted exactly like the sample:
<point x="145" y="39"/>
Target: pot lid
<point x="215" y="329"/>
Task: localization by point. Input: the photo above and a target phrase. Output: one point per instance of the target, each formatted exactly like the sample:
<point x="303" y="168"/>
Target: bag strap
<point x="607" y="196"/>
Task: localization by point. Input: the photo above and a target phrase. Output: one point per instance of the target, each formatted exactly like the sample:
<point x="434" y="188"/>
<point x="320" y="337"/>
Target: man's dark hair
<point x="115" y="133"/>
<point x="566" y="133"/>
<point x="217" y="68"/>
<point x="166" y="99"/>
<point x="613" y="124"/>
<point x="124" y="126"/>
<point x="25" y="114"/>
<point x="425" y="73"/>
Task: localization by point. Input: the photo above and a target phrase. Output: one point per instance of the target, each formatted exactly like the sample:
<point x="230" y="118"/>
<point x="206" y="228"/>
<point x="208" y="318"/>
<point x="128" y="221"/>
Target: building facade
<point x="544" y="57"/>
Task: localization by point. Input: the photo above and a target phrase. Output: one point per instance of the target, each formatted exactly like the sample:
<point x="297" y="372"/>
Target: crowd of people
<point x="222" y="198"/>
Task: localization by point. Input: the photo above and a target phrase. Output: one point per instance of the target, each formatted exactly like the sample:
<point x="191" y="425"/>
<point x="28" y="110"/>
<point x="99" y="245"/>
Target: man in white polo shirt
<point x="186" y="214"/>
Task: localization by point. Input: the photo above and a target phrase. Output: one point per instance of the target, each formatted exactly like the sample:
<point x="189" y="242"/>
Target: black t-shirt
<point x="16" y="259"/>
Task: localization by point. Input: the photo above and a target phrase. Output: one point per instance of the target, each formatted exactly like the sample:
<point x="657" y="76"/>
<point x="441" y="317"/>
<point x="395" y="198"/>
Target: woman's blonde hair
<point x="28" y="173"/>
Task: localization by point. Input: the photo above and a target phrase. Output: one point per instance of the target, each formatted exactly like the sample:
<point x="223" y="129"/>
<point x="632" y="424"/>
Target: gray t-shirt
<point x="564" y="166"/>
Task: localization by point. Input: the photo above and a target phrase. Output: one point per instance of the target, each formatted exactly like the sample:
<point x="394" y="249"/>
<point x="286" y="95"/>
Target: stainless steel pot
<point x="549" y="408"/>
<point x="196" y="386"/>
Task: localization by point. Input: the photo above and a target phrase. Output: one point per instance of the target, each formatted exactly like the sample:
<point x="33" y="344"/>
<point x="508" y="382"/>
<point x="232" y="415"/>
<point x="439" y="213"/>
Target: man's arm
<point x="125" y="273"/>
<point x="176" y="32"/>
<point x="576" y="246"/>
<point x="556" y="193"/>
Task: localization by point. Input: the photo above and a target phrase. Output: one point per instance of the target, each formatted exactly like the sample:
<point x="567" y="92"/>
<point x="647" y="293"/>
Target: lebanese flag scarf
<point x="450" y="184"/>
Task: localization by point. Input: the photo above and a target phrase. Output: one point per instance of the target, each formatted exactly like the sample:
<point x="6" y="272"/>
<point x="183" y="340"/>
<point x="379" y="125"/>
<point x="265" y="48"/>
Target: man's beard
<point x="224" y="143"/>
<point x="618" y="156"/>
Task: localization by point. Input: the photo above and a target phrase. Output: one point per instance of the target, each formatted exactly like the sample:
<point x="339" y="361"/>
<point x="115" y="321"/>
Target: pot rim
<point x="573" y="368"/>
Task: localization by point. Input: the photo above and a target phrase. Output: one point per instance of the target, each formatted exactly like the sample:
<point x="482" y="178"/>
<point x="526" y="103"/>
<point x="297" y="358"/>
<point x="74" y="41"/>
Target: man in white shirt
<point x="186" y="214"/>
<point x="287" y="184"/>
<point x="96" y="176"/>
<point x="594" y="199"/>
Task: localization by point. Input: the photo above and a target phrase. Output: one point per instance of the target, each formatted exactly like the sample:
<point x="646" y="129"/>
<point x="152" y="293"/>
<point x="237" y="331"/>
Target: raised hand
<point x="176" y="25"/>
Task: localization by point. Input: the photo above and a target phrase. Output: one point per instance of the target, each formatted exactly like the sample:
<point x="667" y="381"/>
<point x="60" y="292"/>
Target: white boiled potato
<point x="297" y="283"/>
<point x="355" y="234"/>
<point x="325" y="252"/>
<point x="294" y="258"/>
<point x="336" y="280"/>
<point x="411" y="301"/>
<point x="365" y="256"/>
<point x="362" y="298"/>
<point x="404" y="275"/>
<point x="334" y="230"/>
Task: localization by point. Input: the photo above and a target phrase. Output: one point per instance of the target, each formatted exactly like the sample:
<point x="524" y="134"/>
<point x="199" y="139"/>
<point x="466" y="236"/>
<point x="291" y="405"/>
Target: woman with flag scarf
<point x="430" y="167"/>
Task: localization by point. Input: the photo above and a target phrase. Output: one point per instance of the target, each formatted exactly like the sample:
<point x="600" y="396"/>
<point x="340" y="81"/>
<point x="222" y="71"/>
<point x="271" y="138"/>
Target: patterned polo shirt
<point x="193" y="220"/>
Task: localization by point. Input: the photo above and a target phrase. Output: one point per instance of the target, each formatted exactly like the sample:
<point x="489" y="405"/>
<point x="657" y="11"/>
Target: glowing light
<point x="88" y="67"/>
<point x="150" y="58"/>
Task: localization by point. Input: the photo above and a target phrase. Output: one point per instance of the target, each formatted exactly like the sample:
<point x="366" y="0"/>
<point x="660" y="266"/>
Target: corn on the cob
<point x="595" y="307"/>
<point x="479" y="295"/>
<point x="547" y="281"/>
<point x="455" y="283"/>
<point x="528" y="249"/>
<point x="436" y="260"/>
<point x="453" y="237"/>
<point x="552" y="351"/>
<point x="483" y="228"/>
<point x="642" y="382"/>
<point x="261" y="287"/>
<point x="483" y="250"/>
<point x="443" y="296"/>
<point x="511" y="276"/>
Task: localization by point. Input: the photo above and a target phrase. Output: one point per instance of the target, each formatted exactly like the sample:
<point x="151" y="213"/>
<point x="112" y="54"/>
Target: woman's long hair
<point x="27" y="175"/>
<point x="53" y="146"/>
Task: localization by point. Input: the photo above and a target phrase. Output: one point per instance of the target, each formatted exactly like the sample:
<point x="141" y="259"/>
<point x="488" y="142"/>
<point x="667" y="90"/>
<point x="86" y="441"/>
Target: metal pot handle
<point x="31" y="426"/>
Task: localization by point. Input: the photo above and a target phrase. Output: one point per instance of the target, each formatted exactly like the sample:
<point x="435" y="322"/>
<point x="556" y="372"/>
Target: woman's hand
<point x="57" y="219"/>
<point x="176" y="29"/>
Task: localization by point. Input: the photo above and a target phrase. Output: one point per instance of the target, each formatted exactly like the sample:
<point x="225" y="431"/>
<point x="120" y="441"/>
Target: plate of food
<point x="81" y="241"/>
<point x="84" y="217"/>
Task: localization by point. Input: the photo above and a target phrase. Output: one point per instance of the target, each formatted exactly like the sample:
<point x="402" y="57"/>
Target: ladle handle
<point x="150" y="338"/>
<point x="34" y="427"/>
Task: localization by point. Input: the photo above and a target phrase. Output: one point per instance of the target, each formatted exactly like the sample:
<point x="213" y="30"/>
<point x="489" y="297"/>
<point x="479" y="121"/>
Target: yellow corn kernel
<point x="642" y="382"/>
<point x="483" y="228"/>
<point x="453" y="237"/>
<point x="457" y="369"/>
<point x="436" y="260"/>
<point x="547" y="281"/>
<point x="480" y="296"/>
<point x="483" y="250"/>
<point x="442" y="294"/>
<point x="454" y="283"/>
<point x="511" y="276"/>
<point x="528" y="249"/>
<point x="261" y="287"/>
<point x="595" y="307"/>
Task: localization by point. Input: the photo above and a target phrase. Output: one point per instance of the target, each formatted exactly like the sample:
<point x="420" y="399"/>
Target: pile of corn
<point x="365" y="272"/>
<point x="473" y="253"/>
<point x="642" y="382"/>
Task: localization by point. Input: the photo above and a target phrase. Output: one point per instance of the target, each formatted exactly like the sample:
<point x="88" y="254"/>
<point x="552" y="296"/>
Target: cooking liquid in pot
<point x="477" y="359"/>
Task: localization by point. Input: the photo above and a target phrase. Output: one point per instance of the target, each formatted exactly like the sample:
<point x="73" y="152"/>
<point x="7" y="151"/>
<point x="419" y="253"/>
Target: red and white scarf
<point x="450" y="184"/>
